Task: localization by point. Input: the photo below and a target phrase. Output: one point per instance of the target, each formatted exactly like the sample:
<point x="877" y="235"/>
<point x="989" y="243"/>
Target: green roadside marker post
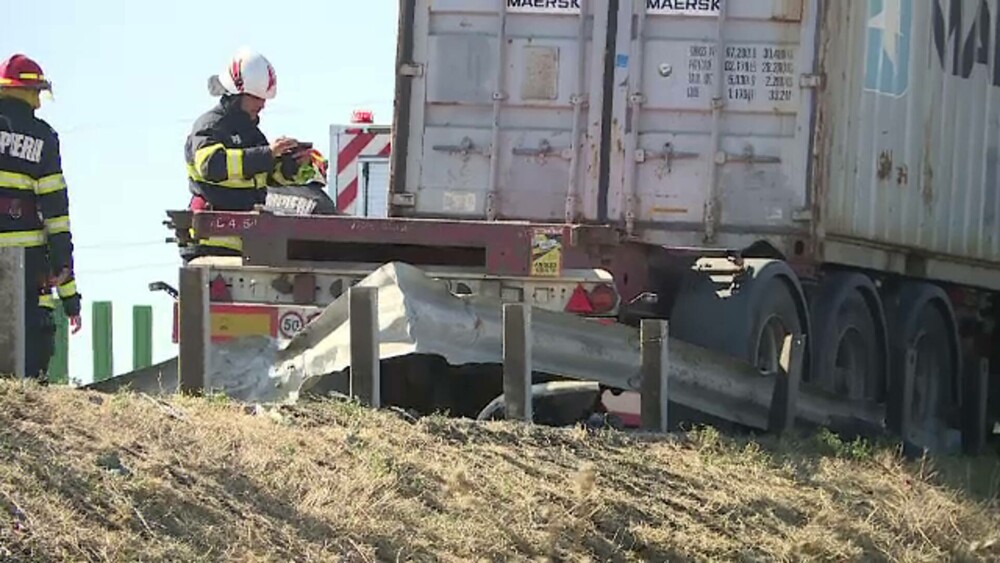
<point x="102" y="341"/>
<point x="142" y="336"/>
<point x="59" y="364"/>
<point x="103" y="345"/>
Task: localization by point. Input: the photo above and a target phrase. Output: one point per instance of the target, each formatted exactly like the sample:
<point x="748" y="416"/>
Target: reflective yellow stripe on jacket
<point x="234" y="168"/>
<point x="57" y="225"/>
<point x="46" y="300"/>
<point x="15" y="181"/>
<point x="51" y="184"/>
<point x="202" y="155"/>
<point x="234" y="163"/>
<point x="67" y="289"/>
<point x="24" y="239"/>
<point x="46" y="185"/>
<point x="239" y="184"/>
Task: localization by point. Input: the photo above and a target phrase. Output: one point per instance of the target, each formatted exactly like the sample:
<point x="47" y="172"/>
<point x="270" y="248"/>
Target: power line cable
<point x="133" y="268"/>
<point x="116" y="245"/>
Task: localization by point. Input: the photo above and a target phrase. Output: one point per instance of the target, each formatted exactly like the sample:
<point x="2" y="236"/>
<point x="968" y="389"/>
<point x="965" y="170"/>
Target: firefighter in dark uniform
<point x="229" y="160"/>
<point x="34" y="206"/>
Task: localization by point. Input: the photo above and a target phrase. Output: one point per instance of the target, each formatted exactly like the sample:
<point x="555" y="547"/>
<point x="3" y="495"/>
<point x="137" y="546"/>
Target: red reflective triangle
<point x="218" y="291"/>
<point x="579" y="302"/>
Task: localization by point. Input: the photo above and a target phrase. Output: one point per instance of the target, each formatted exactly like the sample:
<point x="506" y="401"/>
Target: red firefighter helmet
<point x="21" y="72"/>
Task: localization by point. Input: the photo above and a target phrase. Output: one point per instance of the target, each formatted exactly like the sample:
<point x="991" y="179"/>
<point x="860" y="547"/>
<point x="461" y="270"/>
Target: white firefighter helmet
<point x="249" y="73"/>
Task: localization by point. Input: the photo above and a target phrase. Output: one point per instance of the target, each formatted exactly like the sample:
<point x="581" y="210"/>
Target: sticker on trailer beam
<point x="653" y="7"/>
<point x="228" y="322"/>
<point x="546" y="252"/>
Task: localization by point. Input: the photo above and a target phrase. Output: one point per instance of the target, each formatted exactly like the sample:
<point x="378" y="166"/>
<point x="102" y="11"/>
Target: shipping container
<point x="855" y="132"/>
<point x="907" y="138"/>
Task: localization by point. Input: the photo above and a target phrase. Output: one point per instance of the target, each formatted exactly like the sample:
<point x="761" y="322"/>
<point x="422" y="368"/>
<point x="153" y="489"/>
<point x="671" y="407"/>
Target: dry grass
<point x="124" y="478"/>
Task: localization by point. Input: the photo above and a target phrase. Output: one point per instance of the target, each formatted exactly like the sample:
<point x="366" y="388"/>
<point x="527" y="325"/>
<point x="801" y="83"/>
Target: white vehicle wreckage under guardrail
<point x="418" y="315"/>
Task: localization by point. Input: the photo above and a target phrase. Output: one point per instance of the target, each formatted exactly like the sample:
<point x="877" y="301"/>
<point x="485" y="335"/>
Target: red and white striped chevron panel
<point x="353" y="144"/>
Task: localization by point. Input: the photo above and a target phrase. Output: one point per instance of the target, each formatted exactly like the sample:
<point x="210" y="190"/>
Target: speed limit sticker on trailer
<point x="546" y="252"/>
<point x="290" y="323"/>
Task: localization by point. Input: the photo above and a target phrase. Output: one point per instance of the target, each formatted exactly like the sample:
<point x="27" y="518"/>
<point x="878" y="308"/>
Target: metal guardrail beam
<point x="418" y="315"/>
<point x="12" y="351"/>
<point x="398" y="310"/>
<point x="159" y="380"/>
<point x="519" y="393"/>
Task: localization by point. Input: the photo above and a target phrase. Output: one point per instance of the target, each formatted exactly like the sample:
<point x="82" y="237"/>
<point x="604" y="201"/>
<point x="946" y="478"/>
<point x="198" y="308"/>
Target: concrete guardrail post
<point x="366" y="379"/>
<point x="899" y="410"/>
<point x="195" y="330"/>
<point x="655" y="362"/>
<point x="12" y="302"/>
<point x="517" y="362"/>
<point x="974" y="407"/>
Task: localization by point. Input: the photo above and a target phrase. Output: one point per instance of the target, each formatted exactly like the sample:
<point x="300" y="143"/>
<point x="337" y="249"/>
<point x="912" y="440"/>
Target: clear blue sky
<point x="129" y="79"/>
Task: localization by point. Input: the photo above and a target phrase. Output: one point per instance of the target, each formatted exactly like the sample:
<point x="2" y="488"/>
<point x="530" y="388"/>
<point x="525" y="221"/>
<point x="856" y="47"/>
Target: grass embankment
<point x="127" y="478"/>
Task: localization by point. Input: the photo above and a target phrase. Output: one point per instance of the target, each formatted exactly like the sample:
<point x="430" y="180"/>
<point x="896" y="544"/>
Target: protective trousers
<point x="47" y="338"/>
<point x="35" y="271"/>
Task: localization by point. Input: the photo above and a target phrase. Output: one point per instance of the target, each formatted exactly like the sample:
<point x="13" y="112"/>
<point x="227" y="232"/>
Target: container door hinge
<point x="812" y="80"/>
<point x="411" y="69"/>
<point x="403" y="200"/>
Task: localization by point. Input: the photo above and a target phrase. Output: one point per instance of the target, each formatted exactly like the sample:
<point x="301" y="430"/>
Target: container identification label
<point x="653" y="7"/>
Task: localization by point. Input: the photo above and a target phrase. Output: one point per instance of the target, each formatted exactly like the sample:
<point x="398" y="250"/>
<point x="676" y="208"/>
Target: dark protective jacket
<point x="229" y="159"/>
<point x="34" y="206"/>
<point x="230" y="166"/>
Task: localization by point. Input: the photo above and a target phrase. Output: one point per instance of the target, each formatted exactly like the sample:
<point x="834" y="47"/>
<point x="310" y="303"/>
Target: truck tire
<point x="850" y="345"/>
<point x="751" y="323"/>
<point x="772" y="317"/>
<point x="921" y="318"/>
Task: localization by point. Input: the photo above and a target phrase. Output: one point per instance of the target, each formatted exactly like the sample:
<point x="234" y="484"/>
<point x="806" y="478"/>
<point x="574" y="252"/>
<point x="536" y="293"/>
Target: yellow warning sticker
<point x="546" y="252"/>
